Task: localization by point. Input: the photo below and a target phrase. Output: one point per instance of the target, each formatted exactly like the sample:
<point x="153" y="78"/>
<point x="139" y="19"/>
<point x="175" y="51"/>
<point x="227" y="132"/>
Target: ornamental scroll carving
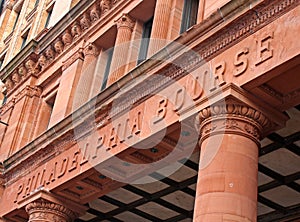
<point x="42" y="210"/>
<point x="233" y="118"/>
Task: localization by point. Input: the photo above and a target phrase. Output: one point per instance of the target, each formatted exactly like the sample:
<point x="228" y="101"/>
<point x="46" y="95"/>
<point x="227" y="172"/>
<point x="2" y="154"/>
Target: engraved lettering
<point x="264" y="49"/>
<point x="100" y="143"/>
<point x="52" y="175"/>
<point x="27" y="188"/>
<point x="162" y="110"/>
<point x="74" y="162"/>
<point x="196" y="91"/>
<point x="179" y="99"/>
<point x="218" y="79"/>
<point x="20" y="190"/>
<point x="85" y="155"/>
<point x="241" y="62"/>
<point x="63" y="167"/>
<point x="113" y="138"/>
<point x="136" y="127"/>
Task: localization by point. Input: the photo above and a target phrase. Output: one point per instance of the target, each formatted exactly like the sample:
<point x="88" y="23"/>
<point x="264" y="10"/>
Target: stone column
<point x="227" y="178"/>
<point x="120" y="55"/>
<point x="85" y="83"/>
<point x="44" y="211"/>
<point x="160" y="26"/>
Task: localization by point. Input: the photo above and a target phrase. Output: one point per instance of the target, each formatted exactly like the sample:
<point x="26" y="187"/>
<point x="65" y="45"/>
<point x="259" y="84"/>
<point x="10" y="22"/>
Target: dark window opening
<point x="16" y="21"/>
<point x="1" y="6"/>
<point x="107" y="68"/>
<point x="50" y="105"/>
<point x="36" y="3"/>
<point x="48" y="17"/>
<point x="189" y="14"/>
<point x="24" y="39"/>
<point x="145" y="41"/>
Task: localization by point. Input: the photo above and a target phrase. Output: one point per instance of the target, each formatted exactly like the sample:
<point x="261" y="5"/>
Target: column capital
<point x="43" y="210"/>
<point x="91" y="49"/>
<point x="125" y="22"/>
<point x="234" y="118"/>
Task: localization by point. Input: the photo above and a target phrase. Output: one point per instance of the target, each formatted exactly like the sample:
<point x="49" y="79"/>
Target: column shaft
<point x="227" y="178"/>
<point x="85" y="83"/>
<point x="120" y="55"/>
<point x="160" y="26"/>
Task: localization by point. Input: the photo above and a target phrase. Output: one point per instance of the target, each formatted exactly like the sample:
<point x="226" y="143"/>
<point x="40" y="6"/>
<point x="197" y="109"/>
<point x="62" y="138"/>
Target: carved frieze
<point x="58" y="46"/>
<point x="85" y="22"/>
<point x="105" y="6"/>
<point x="94" y="14"/>
<point x="67" y="38"/>
<point x="76" y="30"/>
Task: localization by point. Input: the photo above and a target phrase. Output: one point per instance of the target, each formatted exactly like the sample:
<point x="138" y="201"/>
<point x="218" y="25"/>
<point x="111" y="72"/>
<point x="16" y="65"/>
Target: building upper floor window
<point x="189" y="14"/>
<point x="107" y="68"/>
<point x="24" y="39"/>
<point x="16" y="20"/>
<point x="36" y="3"/>
<point x="1" y="6"/>
<point x="49" y="14"/>
<point x="145" y="41"/>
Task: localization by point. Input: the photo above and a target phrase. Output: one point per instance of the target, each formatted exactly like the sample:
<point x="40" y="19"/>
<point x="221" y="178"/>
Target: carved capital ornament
<point x="233" y="118"/>
<point x="42" y="210"/>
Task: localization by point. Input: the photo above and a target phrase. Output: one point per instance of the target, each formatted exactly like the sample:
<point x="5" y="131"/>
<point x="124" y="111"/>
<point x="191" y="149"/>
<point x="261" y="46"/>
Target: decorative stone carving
<point x="85" y="22"/>
<point x="15" y="78"/>
<point x="22" y="71"/>
<point x="58" y="46"/>
<point x="67" y="38"/>
<point x="91" y="49"/>
<point x="233" y="118"/>
<point x="125" y="22"/>
<point x="42" y="62"/>
<point x="94" y="14"/>
<point x="31" y="67"/>
<point x="105" y="6"/>
<point x="50" y="54"/>
<point x="76" y="30"/>
<point x="9" y="84"/>
<point x="42" y="210"/>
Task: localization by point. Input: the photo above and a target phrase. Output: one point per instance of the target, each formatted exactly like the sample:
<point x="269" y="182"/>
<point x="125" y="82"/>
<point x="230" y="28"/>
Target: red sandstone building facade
<point x="150" y="110"/>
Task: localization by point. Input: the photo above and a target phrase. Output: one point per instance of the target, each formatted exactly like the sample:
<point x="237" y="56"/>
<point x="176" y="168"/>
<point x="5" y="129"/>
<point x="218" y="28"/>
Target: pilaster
<point x="71" y="71"/>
